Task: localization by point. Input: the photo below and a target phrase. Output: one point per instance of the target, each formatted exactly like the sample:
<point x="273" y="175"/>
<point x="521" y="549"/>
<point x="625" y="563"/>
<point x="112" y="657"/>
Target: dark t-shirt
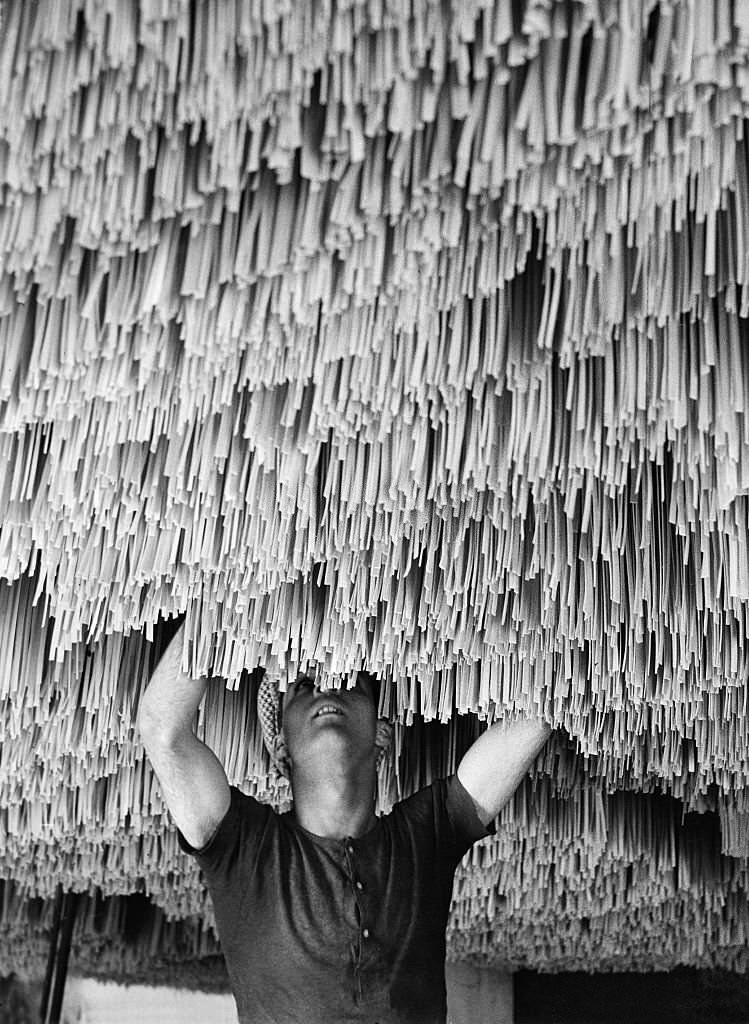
<point x="328" y="931"/>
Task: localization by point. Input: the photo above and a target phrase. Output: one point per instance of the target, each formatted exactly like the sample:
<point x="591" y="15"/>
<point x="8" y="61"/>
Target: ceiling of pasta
<point x="404" y="336"/>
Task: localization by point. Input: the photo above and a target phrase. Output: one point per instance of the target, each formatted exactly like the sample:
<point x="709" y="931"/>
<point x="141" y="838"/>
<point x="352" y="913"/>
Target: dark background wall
<point x="675" y="997"/>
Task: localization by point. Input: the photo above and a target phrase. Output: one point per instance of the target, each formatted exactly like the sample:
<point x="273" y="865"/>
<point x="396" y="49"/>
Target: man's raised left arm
<point x="495" y="765"/>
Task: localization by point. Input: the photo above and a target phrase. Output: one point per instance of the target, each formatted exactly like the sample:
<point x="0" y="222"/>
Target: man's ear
<point x="384" y="734"/>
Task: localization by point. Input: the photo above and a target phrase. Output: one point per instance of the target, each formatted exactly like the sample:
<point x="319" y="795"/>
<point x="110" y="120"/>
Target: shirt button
<point x="350" y="848"/>
<point x="359" y="886"/>
<point x="365" y="933"/>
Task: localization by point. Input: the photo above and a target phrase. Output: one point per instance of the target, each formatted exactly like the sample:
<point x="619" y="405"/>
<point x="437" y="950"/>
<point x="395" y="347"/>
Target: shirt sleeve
<point x="466" y="827"/>
<point x="443" y="816"/>
<point x="234" y="845"/>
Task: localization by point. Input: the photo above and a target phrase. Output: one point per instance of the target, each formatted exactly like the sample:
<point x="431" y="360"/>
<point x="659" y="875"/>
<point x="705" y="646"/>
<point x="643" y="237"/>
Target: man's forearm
<point x="168" y="706"/>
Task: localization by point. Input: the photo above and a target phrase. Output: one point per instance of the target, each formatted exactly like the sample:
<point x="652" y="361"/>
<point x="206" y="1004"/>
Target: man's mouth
<point x="327" y="709"/>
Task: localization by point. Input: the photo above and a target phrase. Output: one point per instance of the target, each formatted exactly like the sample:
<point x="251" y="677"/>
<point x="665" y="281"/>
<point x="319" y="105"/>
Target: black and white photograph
<point x="374" y="511"/>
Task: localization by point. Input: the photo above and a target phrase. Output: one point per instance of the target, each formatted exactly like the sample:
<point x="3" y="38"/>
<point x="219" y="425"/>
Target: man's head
<point x="325" y="728"/>
<point x="309" y="729"/>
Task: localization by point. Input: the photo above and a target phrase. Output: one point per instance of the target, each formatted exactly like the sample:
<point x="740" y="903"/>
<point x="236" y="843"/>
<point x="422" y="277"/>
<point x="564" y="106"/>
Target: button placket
<point x="364" y="932"/>
<point x="356" y="884"/>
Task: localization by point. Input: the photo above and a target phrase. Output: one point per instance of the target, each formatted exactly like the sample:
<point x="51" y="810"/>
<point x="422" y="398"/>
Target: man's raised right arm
<point x="192" y="778"/>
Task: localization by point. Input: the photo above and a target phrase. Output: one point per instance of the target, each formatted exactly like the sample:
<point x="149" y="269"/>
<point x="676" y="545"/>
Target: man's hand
<point x="495" y="765"/>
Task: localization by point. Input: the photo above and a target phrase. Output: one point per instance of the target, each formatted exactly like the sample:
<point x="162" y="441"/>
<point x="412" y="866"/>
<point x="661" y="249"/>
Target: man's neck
<point x="335" y="806"/>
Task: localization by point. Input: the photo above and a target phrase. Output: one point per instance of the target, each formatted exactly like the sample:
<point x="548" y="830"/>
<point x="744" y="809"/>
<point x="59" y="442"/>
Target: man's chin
<point x="334" y="745"/>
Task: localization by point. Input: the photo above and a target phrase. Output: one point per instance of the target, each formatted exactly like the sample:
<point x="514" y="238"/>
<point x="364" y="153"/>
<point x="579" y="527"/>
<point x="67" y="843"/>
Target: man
<point x="327" y="913"/>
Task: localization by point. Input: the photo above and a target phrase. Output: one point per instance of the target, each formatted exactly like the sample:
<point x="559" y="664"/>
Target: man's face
<point x="330" y="724"/>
